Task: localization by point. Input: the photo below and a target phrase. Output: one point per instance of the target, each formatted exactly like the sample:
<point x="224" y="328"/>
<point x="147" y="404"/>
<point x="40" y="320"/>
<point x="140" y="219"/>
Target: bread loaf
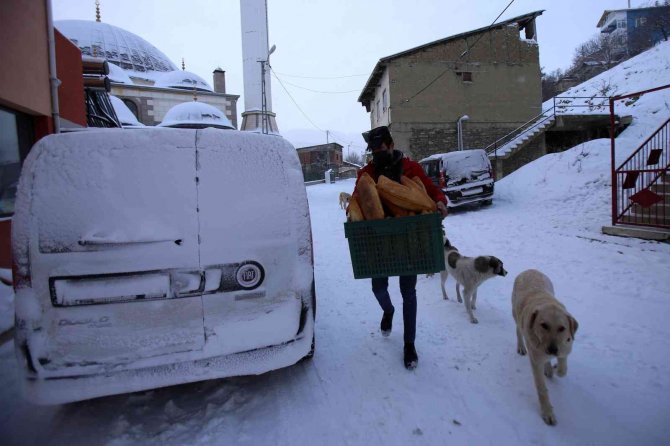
<point x="368" y="198"/>
<point x="418" y="181"/>
<point x="396" y="211"/>
<point x="403" y="196"/>
<point x="405" y="181"/>
<point x="355" y="213"/>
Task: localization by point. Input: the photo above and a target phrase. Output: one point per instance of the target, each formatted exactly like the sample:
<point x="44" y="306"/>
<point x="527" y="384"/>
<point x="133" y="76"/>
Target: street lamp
<point x="264" y="104"/>
<point x="459" y="128"/>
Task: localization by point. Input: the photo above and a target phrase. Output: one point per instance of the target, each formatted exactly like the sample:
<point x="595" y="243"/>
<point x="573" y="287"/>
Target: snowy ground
<point x="470" y="387"/>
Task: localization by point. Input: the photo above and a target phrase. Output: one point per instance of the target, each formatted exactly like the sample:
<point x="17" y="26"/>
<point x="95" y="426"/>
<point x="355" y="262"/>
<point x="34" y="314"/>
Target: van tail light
<point x="442" y="180"/>
<point x="492" y="172"/>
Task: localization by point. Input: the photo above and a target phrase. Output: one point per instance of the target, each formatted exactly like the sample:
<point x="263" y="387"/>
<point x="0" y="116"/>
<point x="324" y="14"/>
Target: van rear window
<point x="432" y="168"/>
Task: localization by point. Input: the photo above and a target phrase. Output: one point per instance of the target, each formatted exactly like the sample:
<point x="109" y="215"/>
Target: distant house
<point x="315" y="160"/>
<point x="635" y="30"/>
<point x="489" y="76"/>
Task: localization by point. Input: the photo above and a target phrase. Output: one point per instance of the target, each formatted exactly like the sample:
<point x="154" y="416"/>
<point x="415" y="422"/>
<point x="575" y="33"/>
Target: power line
<point x="462" y="54"/>
<point x="319" y="91"/>
<point x="316" y="77"/>
<point x="294" y="102"/>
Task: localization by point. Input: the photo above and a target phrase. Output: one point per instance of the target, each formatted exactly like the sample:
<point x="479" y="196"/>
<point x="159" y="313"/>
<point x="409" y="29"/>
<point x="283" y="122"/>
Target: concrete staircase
<point x="519" y="141"/>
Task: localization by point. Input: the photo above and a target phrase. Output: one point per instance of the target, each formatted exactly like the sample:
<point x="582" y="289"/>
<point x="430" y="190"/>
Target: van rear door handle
<point x="102" y="241"/>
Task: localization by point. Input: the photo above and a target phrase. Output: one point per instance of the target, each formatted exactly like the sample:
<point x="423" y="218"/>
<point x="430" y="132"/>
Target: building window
<point x="466" y="76"/>
<point x="15" y="139"/>
<point x="384" y="101"/>
<point x="640" y="21"/>
<point x="377" y="107"/>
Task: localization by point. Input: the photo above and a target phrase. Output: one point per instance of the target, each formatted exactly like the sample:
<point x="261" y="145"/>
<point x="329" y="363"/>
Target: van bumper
<point x="467" y="200"/>
<point x="49" y="391"/>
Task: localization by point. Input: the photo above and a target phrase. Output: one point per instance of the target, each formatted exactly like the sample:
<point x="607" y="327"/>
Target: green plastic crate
<point x="398" y="246"/>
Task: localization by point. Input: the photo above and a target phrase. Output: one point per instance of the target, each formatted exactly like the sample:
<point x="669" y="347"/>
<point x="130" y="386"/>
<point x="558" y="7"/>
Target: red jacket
<point x="410" y="169"/>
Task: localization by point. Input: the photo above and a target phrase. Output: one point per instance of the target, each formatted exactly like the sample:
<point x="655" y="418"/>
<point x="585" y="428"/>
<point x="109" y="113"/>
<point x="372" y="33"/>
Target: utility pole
<point x="327" y="132"/>
<point x="265" y="120"/>
<point x="264" y="103"/>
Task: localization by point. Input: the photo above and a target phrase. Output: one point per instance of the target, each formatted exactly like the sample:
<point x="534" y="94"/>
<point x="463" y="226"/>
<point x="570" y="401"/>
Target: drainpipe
<point x="459" y="129"/>
<point x="53" y="75"/>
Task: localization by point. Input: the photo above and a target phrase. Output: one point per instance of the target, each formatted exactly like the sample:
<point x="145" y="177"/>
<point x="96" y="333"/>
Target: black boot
<point x="411" y="358"/>
<point x="387" y="323"/>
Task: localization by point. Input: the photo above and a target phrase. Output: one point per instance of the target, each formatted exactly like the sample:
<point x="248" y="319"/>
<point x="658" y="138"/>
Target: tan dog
<point x="547" y="329"/>
<point x="344" y="200"/>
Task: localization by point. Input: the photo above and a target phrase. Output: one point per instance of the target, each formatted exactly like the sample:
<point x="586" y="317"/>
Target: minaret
<point x="255" y="63"/>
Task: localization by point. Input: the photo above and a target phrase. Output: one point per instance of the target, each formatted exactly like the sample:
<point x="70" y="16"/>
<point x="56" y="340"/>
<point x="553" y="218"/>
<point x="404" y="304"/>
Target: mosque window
<point x="132" y="106"/>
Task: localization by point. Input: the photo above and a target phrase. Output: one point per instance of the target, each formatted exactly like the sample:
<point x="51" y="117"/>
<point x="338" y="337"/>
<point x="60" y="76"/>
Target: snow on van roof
<point x="447" y="155"/>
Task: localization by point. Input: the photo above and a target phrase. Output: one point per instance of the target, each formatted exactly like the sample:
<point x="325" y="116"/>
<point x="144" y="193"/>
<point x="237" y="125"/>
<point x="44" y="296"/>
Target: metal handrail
<point x="621" y="166"/>
<point x="536" y="121"/>
<point x="634" y="164"/>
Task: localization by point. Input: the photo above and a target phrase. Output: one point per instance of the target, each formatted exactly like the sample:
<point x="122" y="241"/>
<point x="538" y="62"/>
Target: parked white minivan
<point x="151" y="257"/>
<point x="465" y="176"/>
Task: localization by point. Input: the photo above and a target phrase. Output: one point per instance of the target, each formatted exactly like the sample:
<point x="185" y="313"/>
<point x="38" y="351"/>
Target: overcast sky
<point x="330" y="46"/>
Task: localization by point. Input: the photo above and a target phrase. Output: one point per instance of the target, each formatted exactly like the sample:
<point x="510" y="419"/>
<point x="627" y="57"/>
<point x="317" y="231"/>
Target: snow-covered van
<point x="465" y="176"/>
<point x="151" y="257"/>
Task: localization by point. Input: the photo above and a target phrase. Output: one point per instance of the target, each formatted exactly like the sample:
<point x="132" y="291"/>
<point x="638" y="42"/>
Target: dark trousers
<point x="408" y="292"/>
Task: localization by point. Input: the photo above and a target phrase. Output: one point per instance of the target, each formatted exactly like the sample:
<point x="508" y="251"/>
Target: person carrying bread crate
<point x="405" y="190"/>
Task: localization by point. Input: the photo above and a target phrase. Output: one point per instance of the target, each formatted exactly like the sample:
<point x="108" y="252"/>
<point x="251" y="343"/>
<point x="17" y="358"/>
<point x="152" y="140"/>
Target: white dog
<point x="469" y="272"/>
<point x="547" y="329"/>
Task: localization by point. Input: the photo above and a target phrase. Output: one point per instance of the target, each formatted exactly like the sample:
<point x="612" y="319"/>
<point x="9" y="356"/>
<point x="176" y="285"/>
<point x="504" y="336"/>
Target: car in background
<point x="143" y="258"/>
<point x="465" y="176"/>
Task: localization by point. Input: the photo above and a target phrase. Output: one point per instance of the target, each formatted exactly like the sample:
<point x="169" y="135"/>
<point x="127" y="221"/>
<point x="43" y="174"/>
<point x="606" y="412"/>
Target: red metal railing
<point x="641" y="184"/>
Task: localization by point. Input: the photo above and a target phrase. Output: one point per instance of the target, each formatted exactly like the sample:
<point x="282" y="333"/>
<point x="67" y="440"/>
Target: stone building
<point x="488" y="78"/>
<point x="315" y="160"/>
<point x="147" y="82"/>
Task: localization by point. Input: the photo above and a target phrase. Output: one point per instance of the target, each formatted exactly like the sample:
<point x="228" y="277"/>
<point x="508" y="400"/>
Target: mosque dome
<point x="182" y="79"/>
<point x="197" y="115"/>
<point x="118" y="46"/>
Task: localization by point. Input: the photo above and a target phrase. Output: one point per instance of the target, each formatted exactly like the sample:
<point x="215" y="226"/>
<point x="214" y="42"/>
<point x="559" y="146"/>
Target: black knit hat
<point x="377" y="136"/>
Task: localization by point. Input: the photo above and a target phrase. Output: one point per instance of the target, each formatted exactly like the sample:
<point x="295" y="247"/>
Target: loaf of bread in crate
<point x="355" y="213"/>
<point x="396" y="211"/>
<point x="368" y="198"/>
<point x="419" y="183"/>
<point x="406" y="197"/>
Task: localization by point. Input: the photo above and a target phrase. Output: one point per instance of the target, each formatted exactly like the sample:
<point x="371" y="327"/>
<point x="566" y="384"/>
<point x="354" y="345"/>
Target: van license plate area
<point x="109" y="289"/>
<point x="473" y="191"/>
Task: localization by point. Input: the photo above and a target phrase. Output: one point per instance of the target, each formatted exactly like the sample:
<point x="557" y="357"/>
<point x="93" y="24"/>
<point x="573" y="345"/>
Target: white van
<point x="465" y="176"/>
<point x="151" y="257"/>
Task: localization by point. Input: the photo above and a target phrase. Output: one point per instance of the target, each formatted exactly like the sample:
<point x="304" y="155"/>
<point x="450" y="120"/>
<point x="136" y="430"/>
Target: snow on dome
<point x="121" y="47"/>
<point x="184" y="80"/>
<point x="118" y="75"/>
<point x="126" y="117"/>
<point x="195" y="115"/>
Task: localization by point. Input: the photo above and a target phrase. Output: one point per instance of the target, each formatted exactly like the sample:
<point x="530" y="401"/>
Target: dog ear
<point x="482" y="264"/>
<point x="532" y="320"/>
<point x="574" y="325"/>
